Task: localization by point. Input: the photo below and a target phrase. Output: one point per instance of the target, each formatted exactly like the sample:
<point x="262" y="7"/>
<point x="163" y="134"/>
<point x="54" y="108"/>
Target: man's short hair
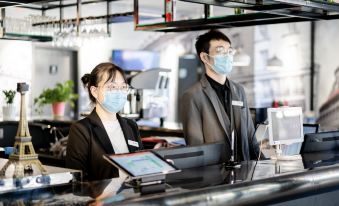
<point x="203" y="41"/>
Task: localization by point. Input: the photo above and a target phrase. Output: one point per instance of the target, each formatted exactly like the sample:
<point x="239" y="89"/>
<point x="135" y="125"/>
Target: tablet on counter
<point x="141" y="164"/>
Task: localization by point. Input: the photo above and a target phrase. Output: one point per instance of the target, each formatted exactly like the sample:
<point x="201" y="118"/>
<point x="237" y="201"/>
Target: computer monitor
<point x="285" y="125"/>
<point x="320" y="142"/>
<point x="194" y="156"/>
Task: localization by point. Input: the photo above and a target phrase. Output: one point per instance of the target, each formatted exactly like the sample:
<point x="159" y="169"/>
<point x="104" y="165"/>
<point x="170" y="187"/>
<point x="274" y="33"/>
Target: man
<point x="215" y="109"/>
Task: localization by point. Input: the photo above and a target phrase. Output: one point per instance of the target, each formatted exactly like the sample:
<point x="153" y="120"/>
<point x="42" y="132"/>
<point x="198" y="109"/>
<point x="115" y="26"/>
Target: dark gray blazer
<point x="88" y="141"/>
<point x="205" y="120"/>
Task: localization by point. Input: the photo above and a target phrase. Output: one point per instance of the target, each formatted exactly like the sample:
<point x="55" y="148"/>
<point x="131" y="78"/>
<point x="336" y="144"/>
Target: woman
<point x="103" y="131"/>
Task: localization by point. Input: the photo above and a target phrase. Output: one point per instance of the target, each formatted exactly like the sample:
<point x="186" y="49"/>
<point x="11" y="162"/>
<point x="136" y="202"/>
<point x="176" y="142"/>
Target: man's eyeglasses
<point x="222" y="50"/>
<point x="115" y="87"/>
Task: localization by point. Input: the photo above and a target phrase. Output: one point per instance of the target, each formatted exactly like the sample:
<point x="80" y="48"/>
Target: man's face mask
<point x="223" y="63"/>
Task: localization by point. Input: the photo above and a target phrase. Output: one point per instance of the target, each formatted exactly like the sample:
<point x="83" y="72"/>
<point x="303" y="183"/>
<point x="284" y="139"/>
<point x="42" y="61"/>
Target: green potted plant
<point x="57" y="96"/>
<point x="9" y="110"/>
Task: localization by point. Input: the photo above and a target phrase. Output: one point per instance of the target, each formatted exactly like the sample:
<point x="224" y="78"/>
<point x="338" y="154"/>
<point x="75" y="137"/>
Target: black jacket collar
<point x="101" y="135"/>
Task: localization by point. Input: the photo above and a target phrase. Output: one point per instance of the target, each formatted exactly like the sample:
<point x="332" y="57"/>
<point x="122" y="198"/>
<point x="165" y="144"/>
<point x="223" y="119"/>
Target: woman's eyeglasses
<point x="115" y="87"/>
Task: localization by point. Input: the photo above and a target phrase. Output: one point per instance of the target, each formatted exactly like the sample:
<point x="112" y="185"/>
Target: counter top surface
<point x="55" y="176"/>
<point x="193" y="179"/>
<point x="50" y="169"/>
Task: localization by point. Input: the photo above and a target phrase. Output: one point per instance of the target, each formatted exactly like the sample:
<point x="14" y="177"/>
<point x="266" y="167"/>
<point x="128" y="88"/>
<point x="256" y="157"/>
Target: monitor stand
<point x="151" y="184"/>
<point x="280" y="156"/>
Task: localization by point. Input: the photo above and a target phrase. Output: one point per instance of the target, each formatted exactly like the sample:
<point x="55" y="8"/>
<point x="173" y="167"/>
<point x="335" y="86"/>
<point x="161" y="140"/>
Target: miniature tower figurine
<point x="24" y="155"/>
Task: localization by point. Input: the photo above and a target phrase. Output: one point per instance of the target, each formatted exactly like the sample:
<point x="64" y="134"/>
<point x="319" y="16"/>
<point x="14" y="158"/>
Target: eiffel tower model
<point x="24" y="155"/>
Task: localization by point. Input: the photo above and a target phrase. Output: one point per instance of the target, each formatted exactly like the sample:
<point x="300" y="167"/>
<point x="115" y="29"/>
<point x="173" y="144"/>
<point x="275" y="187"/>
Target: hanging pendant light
<point x="241" y="59"/>
<point x="274" y="63"/>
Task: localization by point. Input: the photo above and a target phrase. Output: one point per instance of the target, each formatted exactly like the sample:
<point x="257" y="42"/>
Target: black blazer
<point x="205" y="120"/>
<point x="88" y="141"/>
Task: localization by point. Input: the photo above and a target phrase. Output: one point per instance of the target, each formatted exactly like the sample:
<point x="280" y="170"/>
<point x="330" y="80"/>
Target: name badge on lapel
<point x="237" y="103"/>
<point x="133" y="143"/>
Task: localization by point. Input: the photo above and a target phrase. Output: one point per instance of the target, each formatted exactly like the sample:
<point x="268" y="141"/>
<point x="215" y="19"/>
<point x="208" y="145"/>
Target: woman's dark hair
<point x="97" y="74"/>
<point x="203" y="41"/>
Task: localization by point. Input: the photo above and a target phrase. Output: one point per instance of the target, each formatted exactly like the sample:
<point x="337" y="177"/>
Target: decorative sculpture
<point x="24" y="155"/>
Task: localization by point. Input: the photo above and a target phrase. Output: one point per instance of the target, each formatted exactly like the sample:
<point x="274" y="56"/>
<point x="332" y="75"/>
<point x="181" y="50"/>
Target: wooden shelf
<point x="15" y="3"/>
<point x="259" y="12"/>
<point x="26" y="37"/>
<point x="219" y="22"/>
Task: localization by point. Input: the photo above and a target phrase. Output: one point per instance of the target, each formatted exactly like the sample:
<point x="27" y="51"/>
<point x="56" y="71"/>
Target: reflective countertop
<point x="251" y="178"/>
<point x="33" y="180"/>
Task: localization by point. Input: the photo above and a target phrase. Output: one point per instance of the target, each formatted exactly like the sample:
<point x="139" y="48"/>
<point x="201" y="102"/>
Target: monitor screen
<point x="194" y="156"/>
<point x="141" y="164"/>
<point x="135" y="60"/>
<point x="285" y="125"/>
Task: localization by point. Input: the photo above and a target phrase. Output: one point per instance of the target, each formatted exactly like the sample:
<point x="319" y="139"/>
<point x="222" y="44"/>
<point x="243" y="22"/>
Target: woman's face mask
<point x="112" y="94"/>
<point x="114" y="101"/>
<point x="223" y="64"/>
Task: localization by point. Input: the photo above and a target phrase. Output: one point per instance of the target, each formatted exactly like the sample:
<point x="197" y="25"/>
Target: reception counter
<point x="54" y="176"/>
<point x="311" y="181"/>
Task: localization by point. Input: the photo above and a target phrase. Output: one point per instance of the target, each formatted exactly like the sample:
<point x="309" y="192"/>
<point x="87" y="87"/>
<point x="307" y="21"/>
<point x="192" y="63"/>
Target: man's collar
<point x="217" y="84"/>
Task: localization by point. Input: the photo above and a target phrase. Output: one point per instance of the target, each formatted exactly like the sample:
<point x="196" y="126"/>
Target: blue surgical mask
<point x="222" y="64"/>
<point x="114" y="101"/>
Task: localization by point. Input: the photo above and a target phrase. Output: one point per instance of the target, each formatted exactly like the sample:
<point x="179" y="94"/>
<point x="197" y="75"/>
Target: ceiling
<point x="190" y="14"/>
<point x="15" y="3"/>
<point x="148" y="6"/>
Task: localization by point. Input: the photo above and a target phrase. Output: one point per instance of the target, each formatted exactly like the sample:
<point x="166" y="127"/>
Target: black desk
<point x="270" y="182"/>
